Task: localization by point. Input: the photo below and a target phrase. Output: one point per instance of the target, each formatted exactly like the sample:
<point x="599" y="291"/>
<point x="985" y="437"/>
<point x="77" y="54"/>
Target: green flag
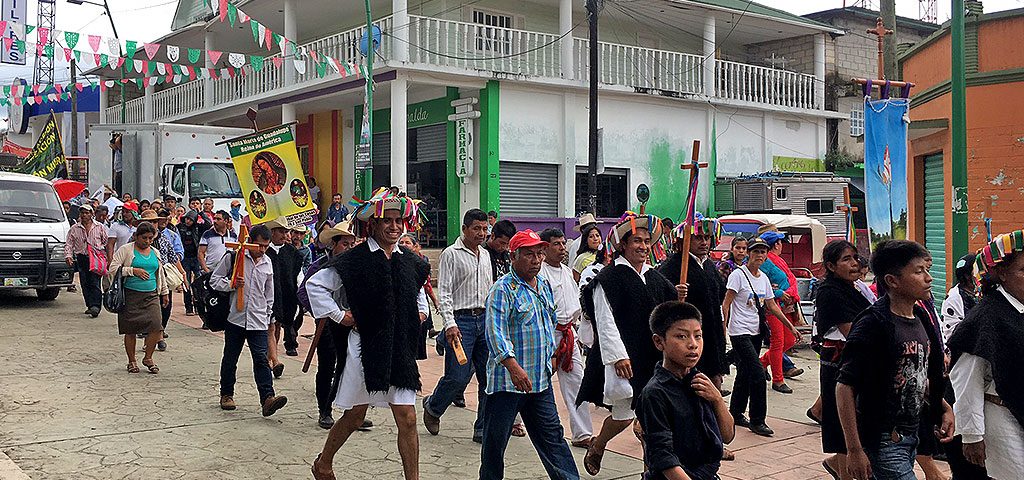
<point x="47" y="157"/>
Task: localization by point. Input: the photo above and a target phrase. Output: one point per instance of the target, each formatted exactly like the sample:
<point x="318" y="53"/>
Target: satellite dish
<point x="643" y="194"/>
<point x="376" y="41"/>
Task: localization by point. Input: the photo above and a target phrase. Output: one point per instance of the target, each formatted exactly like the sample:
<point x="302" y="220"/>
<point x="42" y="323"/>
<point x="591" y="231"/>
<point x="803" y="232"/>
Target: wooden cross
<point x="238" y="273"/>
<point x="847" y="208"/>
<point x="694" y="167"/>
<point x="880" y="31"/>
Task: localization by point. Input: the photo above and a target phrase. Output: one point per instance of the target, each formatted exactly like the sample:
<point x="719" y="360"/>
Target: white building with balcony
<point x="669" y="71"/>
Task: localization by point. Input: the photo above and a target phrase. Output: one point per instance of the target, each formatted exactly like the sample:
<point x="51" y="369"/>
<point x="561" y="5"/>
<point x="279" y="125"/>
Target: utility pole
<point x="887" y="10"/>
<point x="959" y="130"/>
<point x="592" y="11"/>
<point x="364" y="176"/>
<point x="74" y="110"/>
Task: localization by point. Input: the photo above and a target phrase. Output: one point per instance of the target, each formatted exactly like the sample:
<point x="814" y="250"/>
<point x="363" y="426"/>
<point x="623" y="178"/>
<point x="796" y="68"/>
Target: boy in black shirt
<point x="683" y="416"/>
<point x="893" y="358"/>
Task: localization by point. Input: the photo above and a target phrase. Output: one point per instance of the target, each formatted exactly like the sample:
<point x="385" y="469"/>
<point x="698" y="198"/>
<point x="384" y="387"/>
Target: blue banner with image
<point x="885" y="168"/>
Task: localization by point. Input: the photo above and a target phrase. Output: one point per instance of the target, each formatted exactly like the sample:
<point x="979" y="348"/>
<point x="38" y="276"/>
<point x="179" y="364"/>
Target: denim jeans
<point x="91" y="289"/>
<point x="192" y="270"/>
<point x="234" y="337"/>
<point x="456" y="376"/>
<point x="750" y="383"/>
<point x="787" y="363"/>
<point x="540" y="416"/>
<point x="894" y="460"/>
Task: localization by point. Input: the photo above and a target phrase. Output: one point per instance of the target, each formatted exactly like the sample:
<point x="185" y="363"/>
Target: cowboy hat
<point x="629" y="223"/>
<point x="584" y="220"/>
<point x="279" y="222"/>
<point x="150" y="215"/>
<point x="343" y="228"/>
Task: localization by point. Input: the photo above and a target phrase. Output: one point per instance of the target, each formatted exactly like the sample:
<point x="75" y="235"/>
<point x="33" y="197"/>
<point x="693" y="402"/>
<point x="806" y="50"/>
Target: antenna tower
<point x="928" y="11"/>
<point x="43" y="73"/>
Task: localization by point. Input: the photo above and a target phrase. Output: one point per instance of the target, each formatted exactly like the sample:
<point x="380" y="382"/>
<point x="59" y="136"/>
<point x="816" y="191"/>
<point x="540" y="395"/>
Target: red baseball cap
<point x="525" y="238"/>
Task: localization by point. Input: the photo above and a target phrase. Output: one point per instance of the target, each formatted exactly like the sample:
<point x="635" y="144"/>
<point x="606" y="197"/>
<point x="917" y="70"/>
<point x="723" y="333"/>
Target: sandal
<point x="317" y="475"/>
<point x="151" y="365"/>
<point x="518" y="430"/>
<point x="592" y="460"/>
<point x="133" y="367"/>
<point x="585" y="443"/>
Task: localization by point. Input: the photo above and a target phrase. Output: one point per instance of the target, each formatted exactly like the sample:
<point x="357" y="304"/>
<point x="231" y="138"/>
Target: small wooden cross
<point x="847" y="208"/>
<point x="238" y="273"/>
<point x="880" y="31"/>
<point x="694" y="167"/>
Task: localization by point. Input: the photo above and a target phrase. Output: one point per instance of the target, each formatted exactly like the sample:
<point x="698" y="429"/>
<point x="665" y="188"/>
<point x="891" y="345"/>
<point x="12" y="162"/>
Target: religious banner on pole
<point x="885" y="168"/>
<point x="270" y="175"/>
<point x="47" y="157"/>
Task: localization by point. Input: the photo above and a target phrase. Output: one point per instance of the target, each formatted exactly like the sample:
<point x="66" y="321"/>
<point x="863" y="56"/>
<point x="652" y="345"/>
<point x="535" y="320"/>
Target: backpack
<point x="314" y="267"/>
<point x="217" y="304"/>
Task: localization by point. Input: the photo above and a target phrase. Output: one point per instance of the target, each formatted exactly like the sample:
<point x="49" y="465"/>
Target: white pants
<point x="580" y="423"/>
<point x="1004" y="443"/>
<point x="352" y="391"/>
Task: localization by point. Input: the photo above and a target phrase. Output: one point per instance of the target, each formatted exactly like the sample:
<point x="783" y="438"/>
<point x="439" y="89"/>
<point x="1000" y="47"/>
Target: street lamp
<point x="120" y="52"/>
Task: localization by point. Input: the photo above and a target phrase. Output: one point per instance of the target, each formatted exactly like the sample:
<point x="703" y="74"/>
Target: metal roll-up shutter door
<point x="528" y="189"/>
<point x="935" y="223"/>
<point x="381" y="156"/>
<point x="431" y="144"/>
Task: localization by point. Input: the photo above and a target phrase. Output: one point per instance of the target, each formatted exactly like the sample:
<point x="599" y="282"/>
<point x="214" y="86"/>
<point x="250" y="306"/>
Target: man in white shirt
<point x="569" y="359"/>
<point x="463" y="281"/>
<point x="250" y="324"/>
<point x="213" y="244"/>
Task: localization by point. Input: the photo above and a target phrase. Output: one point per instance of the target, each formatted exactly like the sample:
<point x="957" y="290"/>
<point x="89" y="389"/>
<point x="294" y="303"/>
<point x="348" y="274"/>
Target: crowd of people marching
<point x="901" y="378"/>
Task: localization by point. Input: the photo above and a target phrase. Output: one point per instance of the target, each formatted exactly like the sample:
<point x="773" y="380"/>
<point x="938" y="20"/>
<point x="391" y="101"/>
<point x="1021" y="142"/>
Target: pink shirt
<point x="78" y="239"/>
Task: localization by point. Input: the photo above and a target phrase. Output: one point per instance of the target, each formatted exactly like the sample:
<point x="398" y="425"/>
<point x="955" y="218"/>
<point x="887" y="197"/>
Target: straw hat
<point x="279" y="222"/>
<point x="343" y="228"/>
<point x="150" y="216"/>
<point x="629" y="223"/>
<point x="584" y="220"/>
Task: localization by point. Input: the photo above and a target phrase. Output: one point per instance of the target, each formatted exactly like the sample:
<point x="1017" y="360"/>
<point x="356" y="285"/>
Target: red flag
<point x="223" y="10"/>
<point x="214" y="56"/>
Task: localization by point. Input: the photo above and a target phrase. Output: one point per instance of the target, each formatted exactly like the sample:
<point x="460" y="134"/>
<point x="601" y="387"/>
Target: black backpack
<point x="217" y="304"/>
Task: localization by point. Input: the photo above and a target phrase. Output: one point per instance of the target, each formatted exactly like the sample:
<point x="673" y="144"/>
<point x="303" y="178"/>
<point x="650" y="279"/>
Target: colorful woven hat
<point x="629" y="223"/>
<point x="701" y="226"/>
<point x="996" y="251"/>
<point x="381" y="201"/>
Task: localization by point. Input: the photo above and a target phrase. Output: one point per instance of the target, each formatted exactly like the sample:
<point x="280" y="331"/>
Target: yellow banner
<point x="271" y="177"/>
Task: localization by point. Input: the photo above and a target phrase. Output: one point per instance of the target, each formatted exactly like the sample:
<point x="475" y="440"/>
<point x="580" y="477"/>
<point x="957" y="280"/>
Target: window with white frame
<point x="856" y="122"/>
<point x="781" y="193"/>
<point x="492" y="32"/>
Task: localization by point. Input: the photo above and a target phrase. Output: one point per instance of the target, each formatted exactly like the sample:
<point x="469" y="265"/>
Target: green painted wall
<point x="668" y="182"/>
<point x="489" y="124"/>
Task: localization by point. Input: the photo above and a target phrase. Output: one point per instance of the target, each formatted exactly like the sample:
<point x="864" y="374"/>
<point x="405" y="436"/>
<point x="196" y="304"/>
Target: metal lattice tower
<point x="928" y="11"/>
<point x="47" y="18"/>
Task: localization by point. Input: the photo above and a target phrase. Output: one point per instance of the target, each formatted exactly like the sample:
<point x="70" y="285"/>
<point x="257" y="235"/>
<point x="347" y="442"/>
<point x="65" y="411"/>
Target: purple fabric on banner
<point x="885" y="168"/>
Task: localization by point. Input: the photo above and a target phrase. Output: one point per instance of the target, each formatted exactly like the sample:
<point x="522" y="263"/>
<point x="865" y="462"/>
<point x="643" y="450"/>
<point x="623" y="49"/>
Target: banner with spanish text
<point x="47" y="157"/>
<point x="885" y="168"/>
<point x="270" y="175"/>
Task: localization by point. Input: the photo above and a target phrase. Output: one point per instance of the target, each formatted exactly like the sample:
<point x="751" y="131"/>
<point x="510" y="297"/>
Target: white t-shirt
<point x="743" y="319"/>
<point x="121" y="232"/>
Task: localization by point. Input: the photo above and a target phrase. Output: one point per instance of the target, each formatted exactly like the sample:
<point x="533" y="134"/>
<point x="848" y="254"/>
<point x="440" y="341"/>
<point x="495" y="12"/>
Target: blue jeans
<point x="894" y="460"/>
<point x="787" y="364"/>
<point x="234" y="338"/>
<point x="456" y="376"/>
<point x="540" y="416"/>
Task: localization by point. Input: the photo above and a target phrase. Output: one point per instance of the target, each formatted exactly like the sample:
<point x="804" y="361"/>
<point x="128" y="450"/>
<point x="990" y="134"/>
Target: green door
<point x="935" y="222"/>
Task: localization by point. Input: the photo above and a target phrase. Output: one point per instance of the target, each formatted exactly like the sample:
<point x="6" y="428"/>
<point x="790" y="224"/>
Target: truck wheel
<point x="47" y="294"/>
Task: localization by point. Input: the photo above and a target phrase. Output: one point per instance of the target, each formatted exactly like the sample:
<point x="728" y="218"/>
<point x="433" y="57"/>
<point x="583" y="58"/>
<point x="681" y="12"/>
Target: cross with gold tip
<point x="238" y="273"/>
<point x="847" y="208"/>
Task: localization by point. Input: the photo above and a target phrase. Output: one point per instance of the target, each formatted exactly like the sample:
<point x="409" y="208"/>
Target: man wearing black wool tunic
<point x="382" y="284"/>
<point x="619" y="302"/>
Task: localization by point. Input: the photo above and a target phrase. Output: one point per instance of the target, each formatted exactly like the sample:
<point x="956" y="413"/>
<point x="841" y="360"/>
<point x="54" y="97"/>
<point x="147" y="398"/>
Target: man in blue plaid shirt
<point x="519" y="328"/>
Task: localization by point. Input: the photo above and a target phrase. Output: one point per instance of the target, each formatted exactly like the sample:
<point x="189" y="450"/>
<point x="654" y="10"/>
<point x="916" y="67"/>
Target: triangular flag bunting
<point x="29" y="29"/>
<point x="321" y="69"/>
<point x="79" y="86"/>
<point x="194" y="54"/>
<point x="129" y="48"/>
<point x="160" y="67"/>
<point x="3" y="26"/>
<point x="8" y="42"/>
<point x="103" y="86"/>
<point x="277" y="61"/>
<point x="113" y="46"/>
<point x="231" y="72"/>
<point x="269" y="39"/>
<point x="170" y="77"/>
<point x="242" y="17"/>
<point x="257" y="62"/>
<point x="98" y="57"/>
<point x="255" y="30"/>
<point x="67" y="54"/>
<point x="232" y="14"/>
<point x="94" y="42"/>
<point x="71" y="38"/>
<point x="44" y="35"/>
<point x="58" y="87"/>
<point x="78" y="56"/>
<point x="173" y="53"/>
<point x="48" y="51"/>
<point x="214" y="56"/>
<point x="236" y="60"/>
<point x="300" y="65"/>
<point x="138" y="64"/>
<point x="223" y="9"/>
<point x="151" y="49"/>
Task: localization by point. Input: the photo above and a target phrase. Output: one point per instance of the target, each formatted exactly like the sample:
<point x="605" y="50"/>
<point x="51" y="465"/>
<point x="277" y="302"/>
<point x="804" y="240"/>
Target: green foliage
<point x="839" y="160"/>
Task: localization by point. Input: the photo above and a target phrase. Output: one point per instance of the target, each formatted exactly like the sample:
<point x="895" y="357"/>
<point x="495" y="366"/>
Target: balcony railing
<point x="469" y="46"/>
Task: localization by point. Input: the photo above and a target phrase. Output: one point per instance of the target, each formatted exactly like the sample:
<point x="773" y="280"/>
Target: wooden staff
<point x="320" y="325"/>
<point x="238" y="273"/>
<point x="847" y="208"/>
<point x="694" y="168"/>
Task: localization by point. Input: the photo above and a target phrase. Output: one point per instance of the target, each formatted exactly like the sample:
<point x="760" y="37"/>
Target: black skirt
<point x="832" y="439"/>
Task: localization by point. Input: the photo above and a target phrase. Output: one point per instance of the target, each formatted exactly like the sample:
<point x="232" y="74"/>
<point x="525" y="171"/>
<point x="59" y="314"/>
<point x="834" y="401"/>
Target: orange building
<point x="994" y="59"/>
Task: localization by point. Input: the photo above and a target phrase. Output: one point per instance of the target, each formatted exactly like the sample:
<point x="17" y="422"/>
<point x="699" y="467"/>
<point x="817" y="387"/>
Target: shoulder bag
<point x="762" y="315"/>
<point x="113" y="298"/>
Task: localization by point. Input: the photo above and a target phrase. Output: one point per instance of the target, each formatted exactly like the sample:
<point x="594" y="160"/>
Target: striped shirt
<point x="520" y="323"/>
<point x="463" y="280"/>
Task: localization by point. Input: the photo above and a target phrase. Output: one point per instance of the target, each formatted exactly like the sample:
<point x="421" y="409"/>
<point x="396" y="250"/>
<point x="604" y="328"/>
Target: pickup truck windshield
<point x="213" y="180"/>
<point x="29" y="202"/>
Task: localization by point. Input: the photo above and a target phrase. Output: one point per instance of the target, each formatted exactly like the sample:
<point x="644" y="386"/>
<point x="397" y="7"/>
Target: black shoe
<point x="291" y="352"/>
<point x="326" y="421"/>
<point x="161" y="346"/>
<point x="478" y="439"/>
<point x="793" y="373"/>
<point x="460" y="402"/>
<point x="740" y="420"/>
<point x="782" y="388"/>
<point x="767" y="375"/>
<point x="438" y="348"/>
<point x="94" y="311"/>
<point x="166" y="335"/>
<point x="762" y="430"/>
<point x="204" y="327"/>
<point x="366" y="426"/>
<point x="278" y="370"/>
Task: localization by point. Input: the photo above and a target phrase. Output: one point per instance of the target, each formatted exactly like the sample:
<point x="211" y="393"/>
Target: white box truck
<point x="167" y="158"/>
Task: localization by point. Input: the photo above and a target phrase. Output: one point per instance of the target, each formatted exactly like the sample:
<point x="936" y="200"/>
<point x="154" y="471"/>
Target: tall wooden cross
<point x="694" y="167"/>
<point x="238" y="273"/>
<point x="880" y="31"/>
<point x="848" y="208"/>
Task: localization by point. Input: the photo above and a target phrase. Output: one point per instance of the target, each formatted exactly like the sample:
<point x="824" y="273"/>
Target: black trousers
<point x="291" y="329"/>
<point x="91" y="288"/>
<point x="165" y="312"/>
<point x="326" y="365"/>
<point x="750" y="382"/>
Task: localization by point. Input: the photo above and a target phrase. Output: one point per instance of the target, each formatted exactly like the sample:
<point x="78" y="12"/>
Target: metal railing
<point x="641" y="67"/>
<point x="134" y="112"/>
<point x="178" y="100"/>
<point x="751" y="83"/>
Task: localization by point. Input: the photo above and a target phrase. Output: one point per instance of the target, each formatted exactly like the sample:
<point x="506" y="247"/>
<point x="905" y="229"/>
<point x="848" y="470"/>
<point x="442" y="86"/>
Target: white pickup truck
<point x="33" y="229"/>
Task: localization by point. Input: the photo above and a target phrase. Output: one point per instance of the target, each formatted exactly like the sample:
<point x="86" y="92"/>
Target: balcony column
<point x="819" y="71"/>
<point x="104" y="101"/>
<point x="399" y="131"/>
<point x="291" y="32"/>
<point x="287" y="113"/>
<point x="709" y="55"/>
<point x="208" y="82"/>
<point x="565" y="44"/>
<point x="148" y="115"/>
<point x="400" y="47"/>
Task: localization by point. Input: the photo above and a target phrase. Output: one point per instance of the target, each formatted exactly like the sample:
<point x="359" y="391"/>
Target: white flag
<point x="172" y="53"/>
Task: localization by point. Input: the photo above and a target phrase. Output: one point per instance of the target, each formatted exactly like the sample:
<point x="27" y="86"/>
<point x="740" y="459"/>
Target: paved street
<point x="68" y="409"/>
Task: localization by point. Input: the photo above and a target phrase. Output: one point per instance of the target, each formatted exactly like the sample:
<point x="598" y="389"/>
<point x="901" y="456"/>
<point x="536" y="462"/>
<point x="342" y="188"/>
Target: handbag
<point x="113" y="298"/>
<point x="764" y="331"/>
<point x="172" y="277"/>
<point x="97" y="260"/>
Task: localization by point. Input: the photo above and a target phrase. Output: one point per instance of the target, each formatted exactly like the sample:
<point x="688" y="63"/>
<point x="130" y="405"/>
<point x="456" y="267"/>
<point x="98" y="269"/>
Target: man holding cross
<point x="250" y="318"/>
